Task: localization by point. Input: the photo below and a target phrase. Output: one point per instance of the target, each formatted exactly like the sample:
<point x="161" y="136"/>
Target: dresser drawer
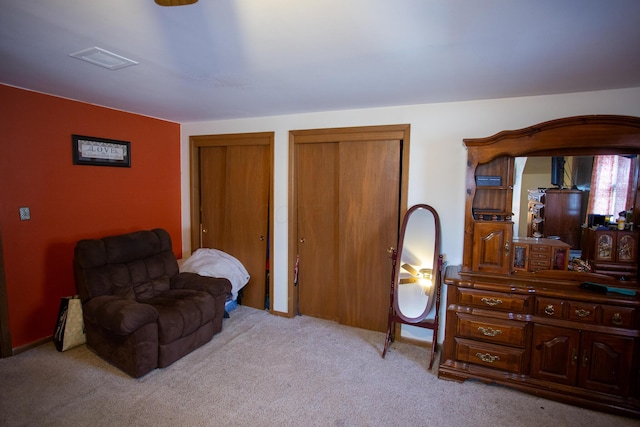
<point x="619" y="317"/>
<point x="550" y="307"/>
<point x="583" y="311"/>
<point x="492" y="330"/>
<point x="540" y="250"/>
<point x="539" y="264"/>
<point x="491" y="355"/>
<point x="609" y="315"/>
<point x="540" y="255"/>
<point x="494" y="300"/>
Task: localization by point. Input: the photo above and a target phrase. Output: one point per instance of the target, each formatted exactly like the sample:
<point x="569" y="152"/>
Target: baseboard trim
<point x="280" y="314"/>
<point x="34" y="344"/>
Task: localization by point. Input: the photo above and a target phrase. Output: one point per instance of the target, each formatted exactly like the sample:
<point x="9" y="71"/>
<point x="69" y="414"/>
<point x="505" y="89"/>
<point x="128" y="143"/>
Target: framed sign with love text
<point x="88" y="150"/>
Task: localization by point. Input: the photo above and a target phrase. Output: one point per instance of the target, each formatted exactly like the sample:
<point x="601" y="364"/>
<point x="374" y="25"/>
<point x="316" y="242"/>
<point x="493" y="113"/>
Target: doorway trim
<point x="225" y="140"/>
<point x="346" y="134"/>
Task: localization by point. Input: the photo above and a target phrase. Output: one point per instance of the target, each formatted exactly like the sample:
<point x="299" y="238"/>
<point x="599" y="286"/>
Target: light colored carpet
<point x="264" y="370"/>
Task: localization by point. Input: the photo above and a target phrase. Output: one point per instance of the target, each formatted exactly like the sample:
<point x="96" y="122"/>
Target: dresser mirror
<point x="415" y="282"/>
<point x="558" y="197"/>
<point x="614" y="179"/>
<point x="511" y="173"/>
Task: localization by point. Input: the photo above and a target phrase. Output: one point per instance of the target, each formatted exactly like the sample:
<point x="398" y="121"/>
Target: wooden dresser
<point x="543" y="336"/>
<point x="516" y="315"/>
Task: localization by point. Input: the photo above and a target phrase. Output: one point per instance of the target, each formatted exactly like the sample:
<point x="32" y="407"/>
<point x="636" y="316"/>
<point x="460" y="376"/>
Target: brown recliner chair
<point x="139" y="311"/>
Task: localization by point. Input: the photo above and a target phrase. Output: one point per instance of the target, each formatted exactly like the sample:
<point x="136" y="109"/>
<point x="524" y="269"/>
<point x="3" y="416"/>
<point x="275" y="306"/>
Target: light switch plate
<point x="25" y="214"/>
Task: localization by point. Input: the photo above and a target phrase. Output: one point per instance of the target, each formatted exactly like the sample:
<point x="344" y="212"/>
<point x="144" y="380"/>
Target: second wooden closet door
<point x="348" y="196"/>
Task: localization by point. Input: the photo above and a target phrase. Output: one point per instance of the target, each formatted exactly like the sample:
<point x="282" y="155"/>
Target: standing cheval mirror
<point x="415" y="276"/>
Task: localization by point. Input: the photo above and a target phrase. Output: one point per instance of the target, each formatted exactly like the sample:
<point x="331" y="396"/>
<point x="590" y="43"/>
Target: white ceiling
<point x="221" y="59"/>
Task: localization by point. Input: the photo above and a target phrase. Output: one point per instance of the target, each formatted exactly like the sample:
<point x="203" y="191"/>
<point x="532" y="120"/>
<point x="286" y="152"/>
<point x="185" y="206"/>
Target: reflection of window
<point x="611" y="183"/>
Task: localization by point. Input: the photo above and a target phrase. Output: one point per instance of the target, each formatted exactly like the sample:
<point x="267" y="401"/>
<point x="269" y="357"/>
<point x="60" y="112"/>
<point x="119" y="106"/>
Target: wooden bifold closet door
<point x="347" y="207"/>
<point x="233" y="188"/>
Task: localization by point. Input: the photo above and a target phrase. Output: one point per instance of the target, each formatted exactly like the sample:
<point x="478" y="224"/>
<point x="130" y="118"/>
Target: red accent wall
<point x="70" y="202"/>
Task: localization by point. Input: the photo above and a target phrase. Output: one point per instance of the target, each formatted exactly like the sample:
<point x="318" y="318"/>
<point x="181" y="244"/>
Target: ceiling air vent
<point x="103" y="58"/>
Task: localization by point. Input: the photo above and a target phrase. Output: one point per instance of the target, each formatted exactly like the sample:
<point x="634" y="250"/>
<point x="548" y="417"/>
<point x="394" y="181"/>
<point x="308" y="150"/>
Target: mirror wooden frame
<point x="570" y="136"/>
<point x="395" y="313"/>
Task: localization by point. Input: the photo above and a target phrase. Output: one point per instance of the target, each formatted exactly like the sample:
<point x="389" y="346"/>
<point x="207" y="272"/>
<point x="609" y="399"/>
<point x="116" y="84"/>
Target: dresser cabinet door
<point x="594" y="361"/>
<point x="491" y="247"/>
<point x="626" y="247"/>
<point x="605" y="363"/>
<point x="605" y="250"/>
<point x="555" y="354"/>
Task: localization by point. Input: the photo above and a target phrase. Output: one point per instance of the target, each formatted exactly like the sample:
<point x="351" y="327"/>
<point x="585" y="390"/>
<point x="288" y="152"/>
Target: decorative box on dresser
<point x="533" y="254"/>
<point x="534" y="328"/>
<point x="612" y="252"/>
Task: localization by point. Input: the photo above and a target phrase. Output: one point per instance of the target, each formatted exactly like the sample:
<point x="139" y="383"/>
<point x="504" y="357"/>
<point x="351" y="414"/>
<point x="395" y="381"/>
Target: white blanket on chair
<point x="216" y="263"/>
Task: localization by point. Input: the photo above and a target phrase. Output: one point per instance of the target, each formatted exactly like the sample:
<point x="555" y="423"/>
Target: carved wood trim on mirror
<point x="554" y="315"/>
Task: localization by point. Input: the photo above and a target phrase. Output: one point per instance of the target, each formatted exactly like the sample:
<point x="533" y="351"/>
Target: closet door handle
<point x="302" y="240"/>
<point x="261" y="238"/>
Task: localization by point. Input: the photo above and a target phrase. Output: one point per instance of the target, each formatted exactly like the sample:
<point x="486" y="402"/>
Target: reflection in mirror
<point x="566" y="197"/>
<point x="416" y="259"/>
<point x="415" y="284"/>
<point x="613" y="180"/>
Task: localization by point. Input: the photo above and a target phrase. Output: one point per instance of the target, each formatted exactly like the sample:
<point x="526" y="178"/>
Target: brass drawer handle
<point x="489" y="332"/>
<point x="550" y="310"/>
<point x="616" y="319"/>
<point x="491" y="301"/>
<point x="583" y="313"/>
<point x="486" y="357"/>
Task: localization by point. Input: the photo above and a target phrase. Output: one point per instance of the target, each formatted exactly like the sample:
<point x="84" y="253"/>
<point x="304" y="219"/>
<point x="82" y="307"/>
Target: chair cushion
<point x="152" y="287"/>
<point x="117" y="315"/>
<point x="117" y="265"/>
<point x="181" y="312"/>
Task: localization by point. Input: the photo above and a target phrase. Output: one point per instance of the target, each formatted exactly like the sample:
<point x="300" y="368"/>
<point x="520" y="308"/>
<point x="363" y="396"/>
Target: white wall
<point x="437" y="155"/>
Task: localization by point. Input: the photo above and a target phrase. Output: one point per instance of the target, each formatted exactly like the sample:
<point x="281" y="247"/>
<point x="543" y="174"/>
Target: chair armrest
<point x="213" y="285"/>
<point x="118" y="315"/>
